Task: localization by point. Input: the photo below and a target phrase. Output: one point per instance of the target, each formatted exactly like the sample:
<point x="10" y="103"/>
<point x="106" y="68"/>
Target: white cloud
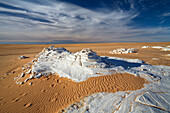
<point x="166" y="14"/>
<point x="68" y="20"/>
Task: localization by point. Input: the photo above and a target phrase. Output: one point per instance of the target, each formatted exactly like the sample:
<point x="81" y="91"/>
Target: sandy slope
<point x="53" y="93"/>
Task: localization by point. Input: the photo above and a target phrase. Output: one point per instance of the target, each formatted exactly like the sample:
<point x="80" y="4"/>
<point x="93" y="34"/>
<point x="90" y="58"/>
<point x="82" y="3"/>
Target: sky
<point x="74" y="21"/>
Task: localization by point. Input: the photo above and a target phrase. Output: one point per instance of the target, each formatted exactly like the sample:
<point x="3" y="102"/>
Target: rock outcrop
<point x="124" y="51"/>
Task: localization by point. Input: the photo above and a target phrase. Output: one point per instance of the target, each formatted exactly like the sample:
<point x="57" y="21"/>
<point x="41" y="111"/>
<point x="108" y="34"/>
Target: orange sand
<point x="54" y="93"/>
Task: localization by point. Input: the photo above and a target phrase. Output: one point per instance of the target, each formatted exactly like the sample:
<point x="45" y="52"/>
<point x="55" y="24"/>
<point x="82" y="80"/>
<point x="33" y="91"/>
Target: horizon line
<point x="80" y="42"/>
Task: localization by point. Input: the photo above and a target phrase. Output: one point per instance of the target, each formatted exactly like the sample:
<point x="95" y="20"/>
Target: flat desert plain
<point x="54" y="93"/>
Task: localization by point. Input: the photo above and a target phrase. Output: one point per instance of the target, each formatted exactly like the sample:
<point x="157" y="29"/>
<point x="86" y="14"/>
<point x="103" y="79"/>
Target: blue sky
<point x="84" y="20"/>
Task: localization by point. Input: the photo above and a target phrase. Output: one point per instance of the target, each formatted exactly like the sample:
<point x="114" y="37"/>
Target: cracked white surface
<point x="167" y="48"/>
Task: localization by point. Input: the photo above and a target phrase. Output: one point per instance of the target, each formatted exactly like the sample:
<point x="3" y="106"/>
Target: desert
<point x="71" y="78"/>
<point x="84" y="56"/>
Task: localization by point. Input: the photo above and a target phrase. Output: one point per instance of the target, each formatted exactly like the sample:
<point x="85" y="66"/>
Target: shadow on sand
<point x="124" y="64"/>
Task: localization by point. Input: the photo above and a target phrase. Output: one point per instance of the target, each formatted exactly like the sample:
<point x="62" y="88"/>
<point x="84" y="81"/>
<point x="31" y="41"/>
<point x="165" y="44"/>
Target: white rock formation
<point x="85" y="58"/>
<point x="162" y="48"/>
<point x="154" y="97"/>
<point x="123" y="51"/>
<point x="22" y="75"/>
<point x="157" y="47"/>
<point x="29" y="71"/>
<point x="167" y="48"/>
<point x="78" y="66"/>
<point x="143" y="47"/>
<point x="22" y="57"/>
<point x="26" y="80"/>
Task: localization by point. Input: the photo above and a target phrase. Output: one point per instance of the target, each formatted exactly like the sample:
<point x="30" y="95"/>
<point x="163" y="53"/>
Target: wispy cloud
<point x="166" y="14"/>
<point x="52" y="20"/>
